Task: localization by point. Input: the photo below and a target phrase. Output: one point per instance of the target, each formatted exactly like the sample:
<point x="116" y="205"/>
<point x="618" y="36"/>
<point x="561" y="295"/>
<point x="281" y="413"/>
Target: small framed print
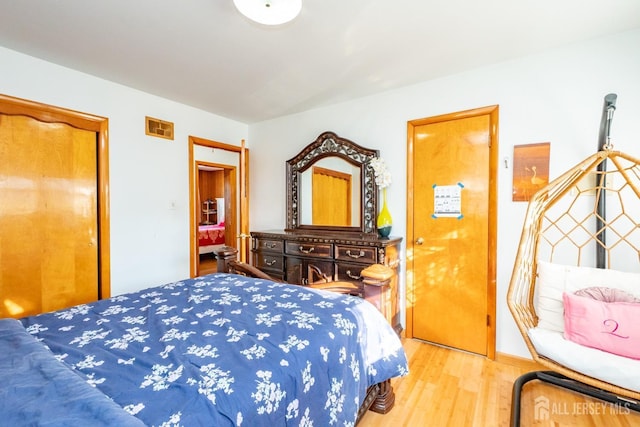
<point x="530" y="169"/>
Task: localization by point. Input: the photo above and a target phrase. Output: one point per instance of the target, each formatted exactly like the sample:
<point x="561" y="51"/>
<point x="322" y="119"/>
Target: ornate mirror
<point x="331" y="187"/>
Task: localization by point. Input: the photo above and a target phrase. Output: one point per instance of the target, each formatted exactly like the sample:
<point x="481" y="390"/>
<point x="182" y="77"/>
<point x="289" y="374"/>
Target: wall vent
<point x="159" y="128"/>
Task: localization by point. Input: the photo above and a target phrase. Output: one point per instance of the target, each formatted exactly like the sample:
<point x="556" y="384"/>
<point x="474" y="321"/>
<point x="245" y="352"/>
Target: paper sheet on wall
<point x="447" y="201"/>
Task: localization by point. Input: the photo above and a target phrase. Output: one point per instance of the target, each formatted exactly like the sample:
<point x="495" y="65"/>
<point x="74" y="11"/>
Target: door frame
<point x="492" y="112"/>
<point x="243" y="192"/>
<point x="100" y="125"/>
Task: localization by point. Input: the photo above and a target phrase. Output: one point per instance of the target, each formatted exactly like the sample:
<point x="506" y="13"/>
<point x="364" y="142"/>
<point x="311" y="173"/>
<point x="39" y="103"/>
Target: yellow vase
<point x="384" y="221"/>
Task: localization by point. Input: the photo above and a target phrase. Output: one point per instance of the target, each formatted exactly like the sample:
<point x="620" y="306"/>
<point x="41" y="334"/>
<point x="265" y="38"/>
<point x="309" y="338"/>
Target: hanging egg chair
<point x="577" y="266"/>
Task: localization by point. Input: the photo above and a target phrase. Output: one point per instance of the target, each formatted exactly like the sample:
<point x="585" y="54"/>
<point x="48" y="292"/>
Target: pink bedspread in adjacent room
<point x="210" y="235"/>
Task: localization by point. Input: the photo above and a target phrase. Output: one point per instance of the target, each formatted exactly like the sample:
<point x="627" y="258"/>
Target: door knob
<point x="419" y="241"/>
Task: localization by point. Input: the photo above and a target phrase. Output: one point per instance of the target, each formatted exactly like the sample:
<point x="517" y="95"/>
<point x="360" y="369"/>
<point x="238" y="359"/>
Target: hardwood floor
<point x="453" y="388"/>
<point x="207" y="264"/>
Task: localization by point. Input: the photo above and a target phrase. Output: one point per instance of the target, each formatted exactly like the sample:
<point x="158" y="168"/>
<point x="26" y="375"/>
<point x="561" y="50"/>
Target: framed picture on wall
<point x="530" y="169"/>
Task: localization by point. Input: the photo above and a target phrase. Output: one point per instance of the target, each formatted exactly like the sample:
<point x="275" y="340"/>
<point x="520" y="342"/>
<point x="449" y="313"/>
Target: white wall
<point x="149" y="177"/>
<point x="555" y="96"/>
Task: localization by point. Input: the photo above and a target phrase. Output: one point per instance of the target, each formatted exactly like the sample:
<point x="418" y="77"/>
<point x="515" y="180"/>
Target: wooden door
<point x="451" y="230"/>
<point x="48" y="216"/>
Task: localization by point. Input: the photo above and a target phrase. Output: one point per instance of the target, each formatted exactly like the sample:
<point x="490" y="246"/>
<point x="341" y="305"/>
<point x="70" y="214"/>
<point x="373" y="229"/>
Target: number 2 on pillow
<point x="613" y="325"/>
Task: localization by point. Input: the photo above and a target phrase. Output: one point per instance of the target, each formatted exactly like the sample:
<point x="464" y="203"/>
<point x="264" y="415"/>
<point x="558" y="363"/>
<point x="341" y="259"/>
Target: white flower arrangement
<point x="383" y="176"/>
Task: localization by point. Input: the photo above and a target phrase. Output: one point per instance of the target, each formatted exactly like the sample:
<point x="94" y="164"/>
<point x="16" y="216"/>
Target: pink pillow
<point x="609" y="326"/>
<point x="602" y="293"/>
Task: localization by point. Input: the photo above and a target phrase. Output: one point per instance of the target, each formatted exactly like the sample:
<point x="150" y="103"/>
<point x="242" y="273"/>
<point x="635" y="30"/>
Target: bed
<point x="220" y="350"/>
<point x="210" y="237"/>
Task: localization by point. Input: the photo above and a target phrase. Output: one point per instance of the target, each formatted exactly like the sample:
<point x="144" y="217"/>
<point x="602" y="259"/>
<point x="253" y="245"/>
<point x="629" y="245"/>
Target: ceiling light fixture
<point x="269" y="12"/>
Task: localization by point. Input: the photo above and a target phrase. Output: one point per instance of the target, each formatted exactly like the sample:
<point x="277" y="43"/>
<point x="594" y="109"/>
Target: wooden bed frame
<point x="380" y="397"/>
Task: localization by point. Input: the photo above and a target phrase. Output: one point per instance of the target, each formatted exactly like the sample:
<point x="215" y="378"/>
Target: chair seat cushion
<point x="618" y="370"/>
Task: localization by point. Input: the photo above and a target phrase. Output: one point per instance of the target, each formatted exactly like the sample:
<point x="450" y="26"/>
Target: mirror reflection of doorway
<point x="331" y="193"/>
<point x="219" y="205"/>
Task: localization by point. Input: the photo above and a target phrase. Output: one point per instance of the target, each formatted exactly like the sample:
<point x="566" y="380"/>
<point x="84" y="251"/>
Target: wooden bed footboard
<point x="380" y="397"/>
<point x="227" y="262"/>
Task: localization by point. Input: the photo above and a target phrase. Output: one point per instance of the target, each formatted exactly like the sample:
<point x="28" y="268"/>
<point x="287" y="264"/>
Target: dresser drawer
<point x="356" y="253"/>
<point x="350" y="272"/>
<point x="269" y="245"/>
<point x="323" y="250"/>
<point x="267" y="261"/>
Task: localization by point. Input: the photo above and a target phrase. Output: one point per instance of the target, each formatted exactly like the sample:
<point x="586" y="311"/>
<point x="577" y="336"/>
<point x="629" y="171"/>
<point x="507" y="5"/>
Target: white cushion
<point x="554" y="279"/>
<point x="618" y="370"/>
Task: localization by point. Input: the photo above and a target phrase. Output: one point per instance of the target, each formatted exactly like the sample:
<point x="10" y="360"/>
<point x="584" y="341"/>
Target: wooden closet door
<point x="48" y="216"/>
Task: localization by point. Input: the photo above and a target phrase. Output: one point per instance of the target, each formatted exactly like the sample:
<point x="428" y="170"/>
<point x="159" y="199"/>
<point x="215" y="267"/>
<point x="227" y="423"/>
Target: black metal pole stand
<point x="604" y="143"/>
<point x="560" y="380"/>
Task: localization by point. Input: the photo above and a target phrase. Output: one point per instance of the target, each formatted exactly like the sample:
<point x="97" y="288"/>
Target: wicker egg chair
<point x="588" y="217"/>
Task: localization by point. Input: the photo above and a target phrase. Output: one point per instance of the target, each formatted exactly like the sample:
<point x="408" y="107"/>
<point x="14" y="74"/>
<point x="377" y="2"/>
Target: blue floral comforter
<point x="226" y="350"/>
<point x="38" y="390"/>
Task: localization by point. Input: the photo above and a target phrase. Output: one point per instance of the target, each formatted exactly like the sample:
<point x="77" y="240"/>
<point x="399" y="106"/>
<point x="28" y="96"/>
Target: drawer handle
<point x="352" y="276"/>
<point x="270" y="263"/>
<point x="355" y="256"/>
<point x="270" y="245"/>
<point x="305" y="251"/>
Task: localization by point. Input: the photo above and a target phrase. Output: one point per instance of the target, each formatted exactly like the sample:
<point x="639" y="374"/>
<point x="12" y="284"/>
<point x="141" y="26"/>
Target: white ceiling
<point x="205" y="54"/>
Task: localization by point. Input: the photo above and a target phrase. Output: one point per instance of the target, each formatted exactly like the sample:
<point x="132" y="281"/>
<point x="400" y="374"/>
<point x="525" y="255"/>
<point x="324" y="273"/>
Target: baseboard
<point x="520" y="362"/>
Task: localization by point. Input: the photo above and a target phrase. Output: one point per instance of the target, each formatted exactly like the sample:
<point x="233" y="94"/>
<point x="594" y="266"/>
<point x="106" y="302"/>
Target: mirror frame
<point x="326" y="145"/>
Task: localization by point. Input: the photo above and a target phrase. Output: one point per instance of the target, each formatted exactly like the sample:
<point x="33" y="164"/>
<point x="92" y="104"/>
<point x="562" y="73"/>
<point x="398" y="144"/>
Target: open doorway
<point x="218" y="199"/>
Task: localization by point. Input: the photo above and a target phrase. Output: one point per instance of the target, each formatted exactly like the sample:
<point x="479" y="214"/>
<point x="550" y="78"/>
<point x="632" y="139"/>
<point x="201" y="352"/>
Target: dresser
<point x="305" y="258"/>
